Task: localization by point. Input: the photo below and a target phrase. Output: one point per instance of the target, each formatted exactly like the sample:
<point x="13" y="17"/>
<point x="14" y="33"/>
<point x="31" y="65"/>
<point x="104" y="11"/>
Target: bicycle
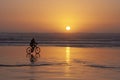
<point x="30" y="51"/>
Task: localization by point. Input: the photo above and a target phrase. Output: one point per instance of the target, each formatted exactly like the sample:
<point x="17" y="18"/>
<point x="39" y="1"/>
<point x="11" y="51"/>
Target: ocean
<point x="85" y="56"/>
<point x="63" y="39"/>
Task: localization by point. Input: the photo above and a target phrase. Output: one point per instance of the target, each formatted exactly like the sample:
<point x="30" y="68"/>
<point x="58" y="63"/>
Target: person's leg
<point x="32" y="49"/>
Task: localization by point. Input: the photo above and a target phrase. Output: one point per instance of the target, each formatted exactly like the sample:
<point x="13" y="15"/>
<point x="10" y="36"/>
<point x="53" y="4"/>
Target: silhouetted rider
<point x="33" y="44"/>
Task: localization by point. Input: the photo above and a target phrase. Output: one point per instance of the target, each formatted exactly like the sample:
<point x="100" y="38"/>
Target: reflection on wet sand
<point x="95" y="63"/>
<point x="67" y="68"/>
<point x="68" y="55"/>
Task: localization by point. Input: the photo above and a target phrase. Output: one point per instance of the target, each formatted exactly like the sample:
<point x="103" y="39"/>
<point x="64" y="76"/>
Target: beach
<point x="60" y="63"/>
<point x="59" y="39"/>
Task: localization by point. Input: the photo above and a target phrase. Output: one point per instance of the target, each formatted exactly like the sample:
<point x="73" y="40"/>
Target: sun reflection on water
<point x="67" y="68"/>
<point x="67" y="54"/>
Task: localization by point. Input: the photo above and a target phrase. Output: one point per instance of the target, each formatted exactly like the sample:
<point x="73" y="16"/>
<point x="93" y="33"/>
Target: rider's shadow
<point x="33" y="58"/>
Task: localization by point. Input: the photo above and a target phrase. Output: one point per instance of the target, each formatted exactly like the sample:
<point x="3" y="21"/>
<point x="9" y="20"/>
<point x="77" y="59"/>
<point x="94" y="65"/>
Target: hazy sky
<point x="54" y="15"/>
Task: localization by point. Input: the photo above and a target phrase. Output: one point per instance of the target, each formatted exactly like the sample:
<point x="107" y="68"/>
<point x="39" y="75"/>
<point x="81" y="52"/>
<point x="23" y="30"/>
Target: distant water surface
<point x="62" y="39"/>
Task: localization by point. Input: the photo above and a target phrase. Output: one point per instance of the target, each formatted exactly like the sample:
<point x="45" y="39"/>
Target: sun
<point x="68" y="28"/>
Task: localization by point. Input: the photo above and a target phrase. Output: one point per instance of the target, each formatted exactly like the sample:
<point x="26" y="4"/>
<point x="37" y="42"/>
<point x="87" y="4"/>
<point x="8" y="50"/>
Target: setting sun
<point x="68" y="28"/>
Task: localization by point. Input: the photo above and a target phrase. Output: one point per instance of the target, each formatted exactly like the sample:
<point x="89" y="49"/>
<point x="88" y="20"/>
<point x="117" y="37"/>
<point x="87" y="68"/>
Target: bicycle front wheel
<point x="37" y="50"/>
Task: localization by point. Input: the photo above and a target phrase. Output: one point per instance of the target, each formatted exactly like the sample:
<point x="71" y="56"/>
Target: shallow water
<point x="60" y="63"/>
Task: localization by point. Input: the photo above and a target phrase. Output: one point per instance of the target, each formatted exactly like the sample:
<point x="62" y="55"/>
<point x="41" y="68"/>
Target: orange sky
<point x="54" y="15"/>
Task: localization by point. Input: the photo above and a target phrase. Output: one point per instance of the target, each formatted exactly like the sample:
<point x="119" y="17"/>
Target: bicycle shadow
<point x="33" y="57"/>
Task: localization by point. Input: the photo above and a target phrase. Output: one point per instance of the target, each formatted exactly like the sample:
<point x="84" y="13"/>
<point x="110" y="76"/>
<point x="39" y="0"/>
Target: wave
<point x="64" y="43"/>
<point x="22" y="65"/>
<point x="32" y="64"/>
<point x="81" y="62"/>
<point x="103" y="66"/>
<point x="90" y="64"/>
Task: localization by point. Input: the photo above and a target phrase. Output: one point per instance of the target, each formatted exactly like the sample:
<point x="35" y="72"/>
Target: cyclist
<point x="33" y="44"/>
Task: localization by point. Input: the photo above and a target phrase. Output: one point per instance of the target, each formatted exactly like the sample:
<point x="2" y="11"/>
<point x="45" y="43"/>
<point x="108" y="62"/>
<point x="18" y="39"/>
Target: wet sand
<point x="60" y="63"/>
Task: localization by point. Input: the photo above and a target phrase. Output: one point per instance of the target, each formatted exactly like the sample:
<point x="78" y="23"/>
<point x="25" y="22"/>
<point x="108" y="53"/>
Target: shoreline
<point x="66" y="45"/>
